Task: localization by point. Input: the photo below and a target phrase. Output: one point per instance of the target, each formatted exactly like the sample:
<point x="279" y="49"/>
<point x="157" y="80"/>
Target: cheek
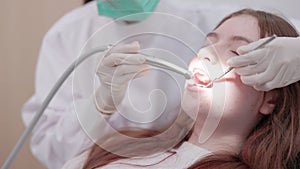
<point x="194" y="103"/>
<point x="244" y="101"/>
<point x="231" y="102"/>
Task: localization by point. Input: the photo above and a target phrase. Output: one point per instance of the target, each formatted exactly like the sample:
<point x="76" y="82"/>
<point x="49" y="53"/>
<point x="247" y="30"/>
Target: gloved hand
<point x="115" y="70"/>
<point x="274" y="66"/>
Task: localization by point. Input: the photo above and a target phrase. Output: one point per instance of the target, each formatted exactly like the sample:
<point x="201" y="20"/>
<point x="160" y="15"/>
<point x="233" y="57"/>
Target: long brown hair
<point x="273" y="143"/>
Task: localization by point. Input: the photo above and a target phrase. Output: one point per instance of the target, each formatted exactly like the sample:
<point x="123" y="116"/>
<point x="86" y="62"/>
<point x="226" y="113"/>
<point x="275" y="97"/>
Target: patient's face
<point x="228" y="99"/>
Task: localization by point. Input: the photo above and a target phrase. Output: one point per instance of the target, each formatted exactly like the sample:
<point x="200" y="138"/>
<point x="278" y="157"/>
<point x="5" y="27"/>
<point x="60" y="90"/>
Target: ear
<point x="269" y="102"/>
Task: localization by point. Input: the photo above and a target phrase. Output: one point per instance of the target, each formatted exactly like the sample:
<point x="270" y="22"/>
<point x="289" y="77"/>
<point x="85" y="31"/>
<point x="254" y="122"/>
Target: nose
<point x="208" y="54"/>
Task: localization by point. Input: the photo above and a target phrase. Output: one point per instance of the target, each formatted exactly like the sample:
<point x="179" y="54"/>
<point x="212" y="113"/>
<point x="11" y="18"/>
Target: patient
<point x="257" y="130"/>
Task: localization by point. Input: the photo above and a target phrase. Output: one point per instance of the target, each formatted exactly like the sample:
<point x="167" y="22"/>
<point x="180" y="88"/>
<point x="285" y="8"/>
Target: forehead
<point x="242" y="25"/>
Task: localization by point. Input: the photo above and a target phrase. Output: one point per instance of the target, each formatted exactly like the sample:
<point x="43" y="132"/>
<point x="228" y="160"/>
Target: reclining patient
<point x="227" y="125"/>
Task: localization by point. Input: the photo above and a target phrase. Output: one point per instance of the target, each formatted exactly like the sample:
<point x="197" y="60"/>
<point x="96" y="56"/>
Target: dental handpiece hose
<point x="151" y="60"/>
<point x="46" y="102"/>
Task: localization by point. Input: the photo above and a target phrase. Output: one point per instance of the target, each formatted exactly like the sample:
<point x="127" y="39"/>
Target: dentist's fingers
<point x="259" y="80"/>
<point x="248" y="70"/>
<point x="130" y="69"/>
<point x="257" y="68"/>
<point x="251" y="46"/>
<point x="133" y="47"/>
<point x="128" y="77"/>
<point x="116" y="59"/>
<point x="250" y="58"/>
<point x="273" y="82"/>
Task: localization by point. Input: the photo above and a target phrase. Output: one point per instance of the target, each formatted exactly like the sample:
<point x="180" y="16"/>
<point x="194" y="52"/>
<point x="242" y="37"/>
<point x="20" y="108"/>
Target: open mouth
<point x="201" y="78"/>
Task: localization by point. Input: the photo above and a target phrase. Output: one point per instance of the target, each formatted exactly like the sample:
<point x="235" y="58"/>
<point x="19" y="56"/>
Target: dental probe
<point x="230" y="68"/>
<point x="160" y="63"/>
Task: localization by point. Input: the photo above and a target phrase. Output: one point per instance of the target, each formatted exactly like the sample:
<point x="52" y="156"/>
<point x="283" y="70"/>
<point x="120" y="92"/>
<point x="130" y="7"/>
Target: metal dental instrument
<point x="230" y="68"/>
<point x="160" y="63"/>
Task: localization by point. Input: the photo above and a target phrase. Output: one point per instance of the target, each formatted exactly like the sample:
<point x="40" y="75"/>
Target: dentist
<point x="59" y="135"/>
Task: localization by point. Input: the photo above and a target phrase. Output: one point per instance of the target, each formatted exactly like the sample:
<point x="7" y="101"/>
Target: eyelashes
<point x="234" y="52"/>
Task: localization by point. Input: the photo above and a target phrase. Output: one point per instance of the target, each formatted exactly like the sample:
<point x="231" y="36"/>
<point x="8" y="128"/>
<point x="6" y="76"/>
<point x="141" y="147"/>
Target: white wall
<point x="290" y="8"/>
<point x="22" y="27"/>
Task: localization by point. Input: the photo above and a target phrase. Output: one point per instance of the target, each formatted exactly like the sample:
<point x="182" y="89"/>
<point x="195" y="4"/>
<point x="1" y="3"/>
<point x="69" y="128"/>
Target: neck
<point x="218" y="140"/>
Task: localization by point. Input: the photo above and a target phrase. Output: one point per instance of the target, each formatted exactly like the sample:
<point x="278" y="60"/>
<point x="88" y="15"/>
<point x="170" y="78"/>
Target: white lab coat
<point x="59" y="135"/>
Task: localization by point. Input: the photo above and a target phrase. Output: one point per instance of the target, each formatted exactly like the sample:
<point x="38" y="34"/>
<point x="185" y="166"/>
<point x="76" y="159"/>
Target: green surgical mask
<point x="126" y="9"/>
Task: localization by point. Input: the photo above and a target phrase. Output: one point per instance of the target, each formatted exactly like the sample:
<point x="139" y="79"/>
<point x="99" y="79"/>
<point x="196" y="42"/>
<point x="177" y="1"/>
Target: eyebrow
<point x="241" y="38"/>
<point x="234" y="38"/>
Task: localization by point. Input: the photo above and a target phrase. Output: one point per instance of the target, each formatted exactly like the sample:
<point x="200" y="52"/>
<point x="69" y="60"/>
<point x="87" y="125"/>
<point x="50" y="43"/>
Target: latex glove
<point x="115" y="70"/>
<point x="274" y="66"/>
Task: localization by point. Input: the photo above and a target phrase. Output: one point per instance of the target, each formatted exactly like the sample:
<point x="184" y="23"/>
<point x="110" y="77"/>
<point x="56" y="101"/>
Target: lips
<point x="200" y="77"/>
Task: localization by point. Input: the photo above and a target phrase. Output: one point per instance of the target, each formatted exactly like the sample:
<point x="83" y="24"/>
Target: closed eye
<point x="234" y="52"/>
